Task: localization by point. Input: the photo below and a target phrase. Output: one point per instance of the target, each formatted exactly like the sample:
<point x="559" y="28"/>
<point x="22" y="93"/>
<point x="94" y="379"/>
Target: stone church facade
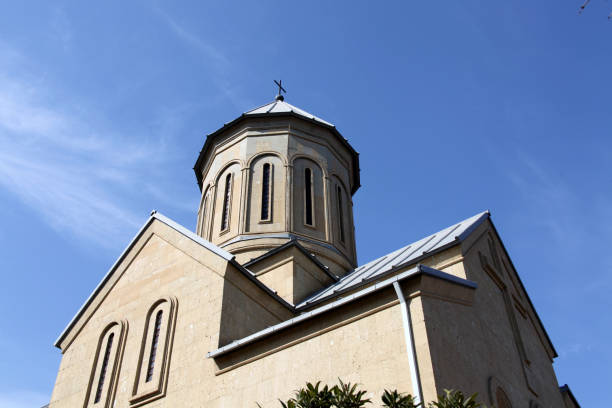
<point x="266" y="294"/>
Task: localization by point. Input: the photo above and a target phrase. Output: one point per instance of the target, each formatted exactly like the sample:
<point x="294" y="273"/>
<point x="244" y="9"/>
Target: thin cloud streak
<point x="71" y="170"/>
<point x="554" y="201"/>
<point x="577" y="225"/>
<point x="221" y="65"/>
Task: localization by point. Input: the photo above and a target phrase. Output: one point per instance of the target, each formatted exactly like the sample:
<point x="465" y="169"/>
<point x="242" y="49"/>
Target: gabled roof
<point x="400" y="258"/>
<point x="279" y="108"/>
<point x="416" y="271"/>
<point x="189" y="234"/>
<point x="293" y="243"/>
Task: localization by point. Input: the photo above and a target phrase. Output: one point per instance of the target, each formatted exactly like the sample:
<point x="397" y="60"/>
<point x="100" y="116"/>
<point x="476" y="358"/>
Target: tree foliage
<point x="393" y="399"/>
<point x="349" y="396"/>
<point x="455" y="399"/>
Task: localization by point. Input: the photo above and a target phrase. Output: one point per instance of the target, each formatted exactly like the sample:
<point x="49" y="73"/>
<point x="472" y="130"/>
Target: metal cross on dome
<point x="279" y="83"/>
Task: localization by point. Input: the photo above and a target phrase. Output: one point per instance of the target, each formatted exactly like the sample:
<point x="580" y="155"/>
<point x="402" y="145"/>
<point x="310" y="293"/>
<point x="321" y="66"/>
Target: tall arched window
<point x="308" y="205"/>
<point x="154" y="358"/>
<point x="226" y="202"/>
<point x="155" y="341"/>
<point x="106" y="364"/>
<point x="107" y="353"/>
<point x="340" y="213"/>
<point x="204" y="213"/>
<point x="266" y="192"/>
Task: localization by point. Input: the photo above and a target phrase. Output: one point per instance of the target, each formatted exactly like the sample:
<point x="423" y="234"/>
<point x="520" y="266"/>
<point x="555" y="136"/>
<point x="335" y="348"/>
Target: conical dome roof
<point x="279" y="108"/>
<point x="282" y="107"/>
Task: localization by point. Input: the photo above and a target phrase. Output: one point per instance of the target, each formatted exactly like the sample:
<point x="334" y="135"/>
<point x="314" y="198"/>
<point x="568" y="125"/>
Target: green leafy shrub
<point x="347" y="396"/>
<point x="455" y="399"/>
<point x="311" y="397"/>
<point x="393" y="399"/>
<point x="339" y="396"/>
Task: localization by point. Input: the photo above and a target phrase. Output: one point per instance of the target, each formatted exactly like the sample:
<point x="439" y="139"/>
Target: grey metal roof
<point x="418" y="270"/>
<point x="279" y="108"/>
<point x="402" y="257"/>
<point x="284" y="107"/>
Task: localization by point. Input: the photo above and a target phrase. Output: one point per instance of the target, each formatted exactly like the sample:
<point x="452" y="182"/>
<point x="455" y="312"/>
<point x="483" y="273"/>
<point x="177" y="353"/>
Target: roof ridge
<point x="399" y="258"/>
<point x="258" y="107"/>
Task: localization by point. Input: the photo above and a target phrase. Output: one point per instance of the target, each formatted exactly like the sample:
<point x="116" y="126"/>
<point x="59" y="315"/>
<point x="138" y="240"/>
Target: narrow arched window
<point x="155" y="341"/>
<point x="107" y="355"/>
<point x="102" y="382"/>
<point x="308" y="210"/>
<point x="340" y="213"/>
<point x="156" y="348"/>
<point x="266" y="192"/>
<point x="204" y="209"/>
<point x="226" y="202"/>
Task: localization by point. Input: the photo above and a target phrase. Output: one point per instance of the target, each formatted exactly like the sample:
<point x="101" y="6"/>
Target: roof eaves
<point x="418" y="270"/>
<point x="179" y="228"/>
<point x="566" y="389"/>
<point x="250" y="276"/>
<point x="483" y="216"/>
<point x="316" y="261"/>
<point x="103" y="281"/>
<point x="332" y="128"/>
<point x="525" y="291"/>
<point x="293" y="242"/>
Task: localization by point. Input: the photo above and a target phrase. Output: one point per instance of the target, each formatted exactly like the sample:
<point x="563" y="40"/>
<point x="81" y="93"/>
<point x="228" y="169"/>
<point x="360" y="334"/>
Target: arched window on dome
<point x="266" y="192"/>
<point x="227" y="202"/>
<point x="105" y="369"/>
<point x="155" y="350"/>
<point x="340" y="204"/>
<point x="308" y="198"/>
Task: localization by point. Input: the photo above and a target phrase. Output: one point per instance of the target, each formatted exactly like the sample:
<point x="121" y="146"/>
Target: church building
<point x="267" y="294"/>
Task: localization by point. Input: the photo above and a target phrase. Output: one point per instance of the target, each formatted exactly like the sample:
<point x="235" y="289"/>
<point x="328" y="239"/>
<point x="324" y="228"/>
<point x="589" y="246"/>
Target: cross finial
<point x="279" y="83"/>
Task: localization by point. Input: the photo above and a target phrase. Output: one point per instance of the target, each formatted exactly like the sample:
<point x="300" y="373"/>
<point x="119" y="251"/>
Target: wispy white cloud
<point x="23" y="399"/>
<point x="75" y="172"/>
<point x="209" y="51"/>
<point x="61" y="28"/>
<point x="580" y="226"/>
<point x="556" y="204"/>
<point x="217" y="63"/>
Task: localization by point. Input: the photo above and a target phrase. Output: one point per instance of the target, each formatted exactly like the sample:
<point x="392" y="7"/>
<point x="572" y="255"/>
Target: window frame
<point x="309" y="194"/>
<point x="269" y="194"/>
<point x="148" y="389"/>
<point x="340" y="210"/>
<point x="102" y="395"/>
<point x="226" y="209"/>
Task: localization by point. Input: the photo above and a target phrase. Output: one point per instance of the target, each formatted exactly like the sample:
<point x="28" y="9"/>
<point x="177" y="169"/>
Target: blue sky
<point x="465" y="106"/>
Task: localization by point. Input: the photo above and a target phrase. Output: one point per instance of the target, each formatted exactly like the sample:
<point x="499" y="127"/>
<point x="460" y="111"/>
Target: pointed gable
<point x="203" y="251"/>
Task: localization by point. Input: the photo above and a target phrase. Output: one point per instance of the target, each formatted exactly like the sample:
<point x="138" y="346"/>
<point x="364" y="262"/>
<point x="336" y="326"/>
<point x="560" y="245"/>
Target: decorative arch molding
<point x="153" y="363"/>
<point x="226" y="166"/>
<point x="202" y="210"/>
<point x="265" y="193"/>
<point x="341" y="211"/>
<point x="497" y="394"/>
<point x="299" y="156"/>
<point x="336" y="177"/>
<point x="102" y="384"/>
<point x="259" y="155"/>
